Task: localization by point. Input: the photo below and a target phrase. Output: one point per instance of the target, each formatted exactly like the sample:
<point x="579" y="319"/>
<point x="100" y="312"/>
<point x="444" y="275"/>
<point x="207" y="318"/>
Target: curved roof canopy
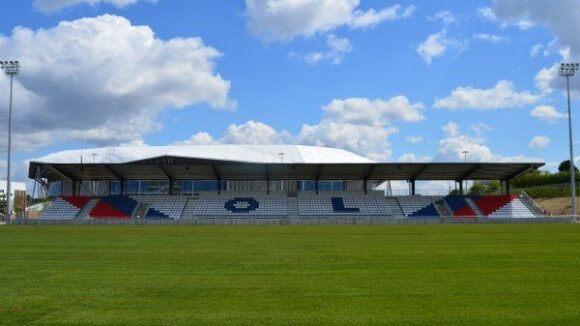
<point x="253" y="162"/>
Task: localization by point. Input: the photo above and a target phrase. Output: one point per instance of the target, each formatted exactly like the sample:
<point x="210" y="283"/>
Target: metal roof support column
<point x="461" y="188"/>
<point x="413" y="189"/>
<point x="267" y="180"/>
<point x="365" y="181"/>
<point x="219" y="186"/>
<point x="74" y="188"/>
<point x="171" y="186"/>
<point x="122" y="187"/>
<point x="508" y="187"/>
<point x="316" y="186"/>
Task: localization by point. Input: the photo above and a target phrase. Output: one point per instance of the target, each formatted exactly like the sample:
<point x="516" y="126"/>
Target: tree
<point x="2" y="207"/>
<point x="565" y="167"/>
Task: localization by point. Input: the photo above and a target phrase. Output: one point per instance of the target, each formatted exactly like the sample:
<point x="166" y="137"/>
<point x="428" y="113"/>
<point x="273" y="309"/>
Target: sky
<point x="408" y="81"/>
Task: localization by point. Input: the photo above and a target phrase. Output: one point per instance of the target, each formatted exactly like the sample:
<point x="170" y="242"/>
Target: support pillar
<point x="122" y="187"/>
<point x="365" y="185"/>
<point x="413" y="189"/>
<point x="74" y="188"/>
<point x="171" y="189"/>
<point x="267" y="186"/>
<point x="219" y="187"/>
<point x="461" y="187"/>
<point x="508" y="187"/>
<point x="316" y="186"/>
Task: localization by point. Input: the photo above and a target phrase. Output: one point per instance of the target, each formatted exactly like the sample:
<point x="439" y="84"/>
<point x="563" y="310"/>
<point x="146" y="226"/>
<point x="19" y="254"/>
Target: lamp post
<point x="11" y="68"/>
<point x="567" y="70"/>
<point x="465" y="161"/>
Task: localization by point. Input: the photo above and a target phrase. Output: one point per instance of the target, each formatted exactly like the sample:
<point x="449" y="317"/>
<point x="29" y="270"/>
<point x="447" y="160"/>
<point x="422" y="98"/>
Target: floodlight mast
<point x="11" y="68"/>
<point x="567" y="70"/>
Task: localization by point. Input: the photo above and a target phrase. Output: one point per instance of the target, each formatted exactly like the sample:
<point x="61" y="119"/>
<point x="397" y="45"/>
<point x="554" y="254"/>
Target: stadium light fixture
<point x="568" y="70"/>
<point x="11" y="68"/>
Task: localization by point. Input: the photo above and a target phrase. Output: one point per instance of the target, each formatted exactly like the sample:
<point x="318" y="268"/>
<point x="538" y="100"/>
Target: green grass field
<point x="396" y="275"/>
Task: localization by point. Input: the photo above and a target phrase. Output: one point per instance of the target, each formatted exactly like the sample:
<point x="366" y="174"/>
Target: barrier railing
<point x="299" y="220"/>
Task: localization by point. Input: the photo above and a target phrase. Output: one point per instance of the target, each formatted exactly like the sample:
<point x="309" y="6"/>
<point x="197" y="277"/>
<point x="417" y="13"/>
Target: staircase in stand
<point x="473" y="206"/>
<point x="442" y="208"/>
<point x="395" y="206"/>
<point x="84" y="212"/>
<point x="293" y="209"/>
<point x="141" y="210"/>
<point x="189" y="208"/>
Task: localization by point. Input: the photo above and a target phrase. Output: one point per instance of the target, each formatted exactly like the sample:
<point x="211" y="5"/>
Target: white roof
<point x="233" y="152"/>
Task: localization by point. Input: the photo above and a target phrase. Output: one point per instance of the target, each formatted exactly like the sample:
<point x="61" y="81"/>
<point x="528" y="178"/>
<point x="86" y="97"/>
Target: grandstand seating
<point x="513" y="209"/>
<point x="116" y="207"/>
<point x="306" y="204"/>
<point x="419" y="206"/>
<point x="459" y="206"/>
<point x="163" y="206"/>
<point x="236" y="204"/>
<point x="65" y="208"/>
<point x="490" y="204"/>
<point x="343" y="203"/>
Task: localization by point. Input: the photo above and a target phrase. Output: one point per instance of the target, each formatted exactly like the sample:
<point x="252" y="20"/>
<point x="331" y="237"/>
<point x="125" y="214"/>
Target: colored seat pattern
<point x="373" y="203"/>
<point x="459" y="206"/>
<point x="116" y="207"/>
<point x="490" y="204"/>
<point x="64" y="208"/>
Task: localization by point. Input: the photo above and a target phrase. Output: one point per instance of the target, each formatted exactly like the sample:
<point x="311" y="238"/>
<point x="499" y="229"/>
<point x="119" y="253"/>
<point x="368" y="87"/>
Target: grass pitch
<point x="396" y="275"/>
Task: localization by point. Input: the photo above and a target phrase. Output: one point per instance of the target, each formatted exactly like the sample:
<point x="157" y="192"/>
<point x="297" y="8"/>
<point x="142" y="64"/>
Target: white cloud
<point x="374" y="112"/>
<point x="487" y="14"/>
<point x="503" y="95"/>
<point x="536" y="49"/>
<point x="435" y="45"/>
<point x="371" y="141"/>
<point x="559" y="16"/>
<point x="337" y="48"/>
<point x="359" y="125"/>
<point x="539" y="142"/>
<point x="452" y="146"/>
<point x="445" y="16"/>
<point x="50" y="6"/>
<point x="250" y="132"/>
<point x="282" y="20"/>
<point x="481" y="128"/>
<point x="371" y="18"/>
<point x="490" y="15"/>
<point x="414" y="139"/>
<point x="200" y="138"/>
<point x="105" y="80"/>
<point x="490" y="38"/>
<point x="253" y="132"/>
<point x="411" y="158"/>
<point x="547" y="113"/>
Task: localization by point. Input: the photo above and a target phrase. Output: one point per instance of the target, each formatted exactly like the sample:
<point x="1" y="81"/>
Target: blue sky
<point x="390" y="80"/>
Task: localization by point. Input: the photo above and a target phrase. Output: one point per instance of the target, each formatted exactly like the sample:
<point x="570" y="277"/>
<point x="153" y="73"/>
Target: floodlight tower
<point x="11" y="68"/>
<point x="567" y="70"/>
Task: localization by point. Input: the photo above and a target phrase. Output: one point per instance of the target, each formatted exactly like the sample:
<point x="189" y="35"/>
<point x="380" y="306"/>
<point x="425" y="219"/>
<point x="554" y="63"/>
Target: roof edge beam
<point x="370" y="171"/>
<point x="216" y="174"/>
<point x="468" y="173"/>
<point x="59" y="171"/>
<point x="418" y="174"/>
<point x="164" y="172"/>
<point x="519" y="172"/>
<point x="113" y="172"/>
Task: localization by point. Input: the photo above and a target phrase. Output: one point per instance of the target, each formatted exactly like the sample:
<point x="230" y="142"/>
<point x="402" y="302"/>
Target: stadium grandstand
<point x="257" y="181"/>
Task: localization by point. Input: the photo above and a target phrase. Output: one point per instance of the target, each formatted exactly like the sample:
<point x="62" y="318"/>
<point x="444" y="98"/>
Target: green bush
<point x="548" y="192"/>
